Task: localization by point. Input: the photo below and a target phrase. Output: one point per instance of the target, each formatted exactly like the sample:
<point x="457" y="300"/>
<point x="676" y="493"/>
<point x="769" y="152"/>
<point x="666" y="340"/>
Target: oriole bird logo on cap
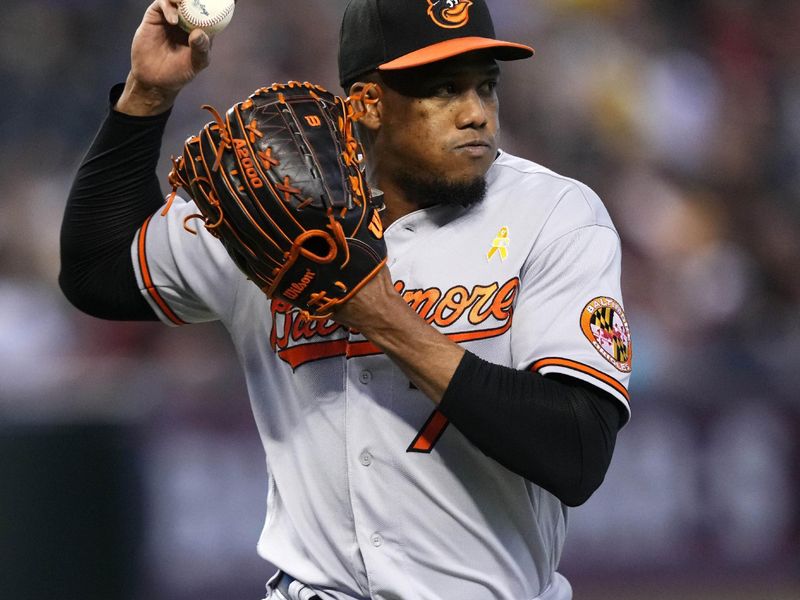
<point x="450" y="14"/>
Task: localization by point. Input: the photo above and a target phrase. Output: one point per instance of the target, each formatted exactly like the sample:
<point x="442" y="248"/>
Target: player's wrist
<point x="372" y="309"/>
<point x="141" y="100"/>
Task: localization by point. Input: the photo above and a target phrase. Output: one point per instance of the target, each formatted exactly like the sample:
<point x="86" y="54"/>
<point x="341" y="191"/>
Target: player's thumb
<point x="200" y="44"/>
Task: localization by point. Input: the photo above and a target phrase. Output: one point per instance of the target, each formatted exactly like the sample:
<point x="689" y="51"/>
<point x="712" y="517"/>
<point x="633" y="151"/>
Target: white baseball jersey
<point x="371" y="494"/>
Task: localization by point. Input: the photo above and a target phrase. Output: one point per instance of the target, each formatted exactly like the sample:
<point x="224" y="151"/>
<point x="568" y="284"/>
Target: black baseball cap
<point x="402" y="34"/>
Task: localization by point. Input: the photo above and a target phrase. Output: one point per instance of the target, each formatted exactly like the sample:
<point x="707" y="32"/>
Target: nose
<point x="473" y="112"/>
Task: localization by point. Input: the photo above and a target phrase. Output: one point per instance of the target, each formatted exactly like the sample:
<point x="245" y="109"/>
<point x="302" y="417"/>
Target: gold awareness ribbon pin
<point x="500" y="245"/>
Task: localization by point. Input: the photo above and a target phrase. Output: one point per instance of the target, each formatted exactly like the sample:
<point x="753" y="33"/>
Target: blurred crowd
<point x="683" y="115"/>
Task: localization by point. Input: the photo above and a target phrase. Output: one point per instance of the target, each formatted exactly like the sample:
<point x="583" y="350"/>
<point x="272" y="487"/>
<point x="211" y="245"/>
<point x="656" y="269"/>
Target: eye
<point x="445" y="89"/>
<point x="488" y="87"/>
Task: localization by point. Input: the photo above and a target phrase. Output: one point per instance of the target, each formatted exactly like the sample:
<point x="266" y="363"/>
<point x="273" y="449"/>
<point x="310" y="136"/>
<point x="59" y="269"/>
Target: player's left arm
<point x="558" y="432"/>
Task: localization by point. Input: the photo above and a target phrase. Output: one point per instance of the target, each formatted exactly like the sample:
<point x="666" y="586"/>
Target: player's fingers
<point x="169" y="8"/>
<point x="200" y="44"/>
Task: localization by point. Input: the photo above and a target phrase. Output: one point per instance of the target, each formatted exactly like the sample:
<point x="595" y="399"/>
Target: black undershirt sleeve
<point x="556" y="431"/>
<point x="114" y="191"/>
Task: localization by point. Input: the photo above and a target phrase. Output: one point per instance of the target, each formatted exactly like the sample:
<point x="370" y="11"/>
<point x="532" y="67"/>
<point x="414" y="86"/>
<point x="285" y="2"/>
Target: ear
<point x="366" y="98"/>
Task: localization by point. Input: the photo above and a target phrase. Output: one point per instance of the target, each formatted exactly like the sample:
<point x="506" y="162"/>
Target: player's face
<point x="440" y="121"/>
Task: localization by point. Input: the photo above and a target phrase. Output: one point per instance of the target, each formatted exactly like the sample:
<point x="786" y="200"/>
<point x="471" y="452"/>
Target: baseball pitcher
<point x="431" y="329"/>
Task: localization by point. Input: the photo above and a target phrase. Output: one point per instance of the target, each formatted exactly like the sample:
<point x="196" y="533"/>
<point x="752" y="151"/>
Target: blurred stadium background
<point x="129" y="464"/>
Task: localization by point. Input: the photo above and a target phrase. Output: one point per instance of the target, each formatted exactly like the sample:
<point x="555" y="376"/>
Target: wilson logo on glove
<point x="298" y="287"/>
<point x="286" y="194"/>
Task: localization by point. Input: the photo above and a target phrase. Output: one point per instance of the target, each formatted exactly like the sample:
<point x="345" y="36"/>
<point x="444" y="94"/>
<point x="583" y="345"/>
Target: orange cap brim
<point x="454" y="47"/>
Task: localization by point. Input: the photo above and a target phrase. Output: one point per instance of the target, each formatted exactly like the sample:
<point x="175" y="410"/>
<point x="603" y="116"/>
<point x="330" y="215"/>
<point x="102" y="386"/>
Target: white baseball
<point x="212" y="16"/>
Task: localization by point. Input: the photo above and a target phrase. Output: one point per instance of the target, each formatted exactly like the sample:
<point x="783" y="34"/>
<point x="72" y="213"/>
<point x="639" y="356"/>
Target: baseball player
<point x="426" y="441"/>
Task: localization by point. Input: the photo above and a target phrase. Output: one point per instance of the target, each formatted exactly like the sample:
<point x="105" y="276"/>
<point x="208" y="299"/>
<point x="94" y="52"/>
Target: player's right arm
<point x="115" y="188"/>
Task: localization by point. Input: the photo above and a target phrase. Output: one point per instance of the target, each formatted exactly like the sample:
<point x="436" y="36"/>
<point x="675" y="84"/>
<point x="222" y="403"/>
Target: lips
<point x="475" y="149"/>
<point x="474" y="144"/>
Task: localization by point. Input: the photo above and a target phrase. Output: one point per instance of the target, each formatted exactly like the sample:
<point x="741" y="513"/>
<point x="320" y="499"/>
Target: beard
<point x="429" y="190"/>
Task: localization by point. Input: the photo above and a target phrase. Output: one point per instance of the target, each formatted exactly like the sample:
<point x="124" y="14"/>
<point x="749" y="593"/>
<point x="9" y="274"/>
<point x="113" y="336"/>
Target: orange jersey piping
<point x="148" y="281"/>
<point x="586" y="369"/>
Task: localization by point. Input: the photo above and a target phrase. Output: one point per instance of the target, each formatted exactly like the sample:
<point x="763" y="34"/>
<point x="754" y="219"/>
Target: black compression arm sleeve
<point x="114" y="191"/>
<point x="558" y="433"/>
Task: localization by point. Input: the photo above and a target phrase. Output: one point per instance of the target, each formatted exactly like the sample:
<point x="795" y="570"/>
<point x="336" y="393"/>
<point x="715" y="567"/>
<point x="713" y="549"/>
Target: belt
<point x="291" y="589"/>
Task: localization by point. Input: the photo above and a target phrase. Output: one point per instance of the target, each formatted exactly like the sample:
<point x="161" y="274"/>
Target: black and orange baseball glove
<point x="279" y="181"/>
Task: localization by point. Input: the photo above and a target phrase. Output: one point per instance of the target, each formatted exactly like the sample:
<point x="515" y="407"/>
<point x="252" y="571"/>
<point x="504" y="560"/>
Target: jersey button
<point x="366" y="458"/>
<point x="365" y="377"/>
<point x="376" y="540"/>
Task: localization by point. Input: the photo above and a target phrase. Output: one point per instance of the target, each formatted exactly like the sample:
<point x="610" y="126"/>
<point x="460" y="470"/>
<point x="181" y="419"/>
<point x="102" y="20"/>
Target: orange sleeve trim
<point x="148" y="280"/>
<point x="586" y="369"/>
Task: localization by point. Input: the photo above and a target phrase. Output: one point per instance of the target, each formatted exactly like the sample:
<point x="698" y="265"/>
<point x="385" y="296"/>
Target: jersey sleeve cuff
<point x="588" y="374"/>
<point x="145" y="281"/>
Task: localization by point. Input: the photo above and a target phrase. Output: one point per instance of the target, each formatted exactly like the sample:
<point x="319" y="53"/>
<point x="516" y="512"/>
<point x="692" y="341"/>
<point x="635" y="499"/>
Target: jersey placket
<point x="371" y="384"/>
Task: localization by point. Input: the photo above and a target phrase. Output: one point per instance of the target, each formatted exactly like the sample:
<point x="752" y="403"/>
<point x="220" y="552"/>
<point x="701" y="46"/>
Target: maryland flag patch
<point x="604" y="324"/>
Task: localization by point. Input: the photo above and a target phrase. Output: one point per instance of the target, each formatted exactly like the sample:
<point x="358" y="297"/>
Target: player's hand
<point x="164" y="58"/>
<point x="375" y="302"/>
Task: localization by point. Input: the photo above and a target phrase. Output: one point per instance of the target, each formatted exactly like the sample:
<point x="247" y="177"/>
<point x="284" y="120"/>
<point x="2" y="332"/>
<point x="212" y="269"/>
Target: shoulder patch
<point x="604" y="324"/>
